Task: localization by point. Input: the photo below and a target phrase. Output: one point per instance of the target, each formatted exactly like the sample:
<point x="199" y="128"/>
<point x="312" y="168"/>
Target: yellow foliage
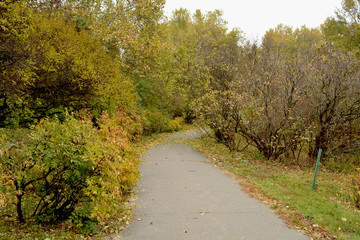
<point x="122" y="128"/>
<point x="176" y="123"/>
<point x="102" y="162"/>
<point x="155" y="121"/>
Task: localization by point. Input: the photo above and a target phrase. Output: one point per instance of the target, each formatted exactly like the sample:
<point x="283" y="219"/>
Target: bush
<point x="48" y="65"/>
<point x="176" y="124"/>
<point x="122" y="127"/>
<point x="83" y="223"/>
<point x="155" y="121"/>
<point x="67" y="166"/>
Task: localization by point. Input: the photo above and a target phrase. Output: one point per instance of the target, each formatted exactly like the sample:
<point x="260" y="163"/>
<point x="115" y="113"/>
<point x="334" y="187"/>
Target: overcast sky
<point x="254" y="17"/>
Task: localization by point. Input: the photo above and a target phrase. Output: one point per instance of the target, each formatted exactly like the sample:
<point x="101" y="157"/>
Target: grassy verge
<point x="322" y="214"/>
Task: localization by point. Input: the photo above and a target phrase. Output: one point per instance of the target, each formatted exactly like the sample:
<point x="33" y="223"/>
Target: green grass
<point x="287" y="189"/>
<point x="323" y="207"/>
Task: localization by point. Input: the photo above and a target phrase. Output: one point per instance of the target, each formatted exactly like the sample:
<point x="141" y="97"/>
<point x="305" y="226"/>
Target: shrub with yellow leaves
<point x="67" y="167"/>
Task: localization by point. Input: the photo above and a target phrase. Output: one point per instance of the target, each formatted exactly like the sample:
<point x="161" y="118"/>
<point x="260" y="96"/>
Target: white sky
<point x="255" y="17"/>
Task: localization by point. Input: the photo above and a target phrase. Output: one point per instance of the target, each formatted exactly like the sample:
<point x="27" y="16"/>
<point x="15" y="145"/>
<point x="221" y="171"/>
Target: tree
<point x="333" y="95"/>
<point x="299" y="41"/>
<point x="262" y="105"/>
<point x="205" y="52"/>
<point x="292" y="92"/>
<point x="15" y="72"/>
<point x="49" y="66"/>
<point x="344" y="30"/>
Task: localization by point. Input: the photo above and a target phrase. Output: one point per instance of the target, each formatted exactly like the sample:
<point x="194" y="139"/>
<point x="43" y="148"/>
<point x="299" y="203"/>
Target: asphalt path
<point x="182" y="196"/>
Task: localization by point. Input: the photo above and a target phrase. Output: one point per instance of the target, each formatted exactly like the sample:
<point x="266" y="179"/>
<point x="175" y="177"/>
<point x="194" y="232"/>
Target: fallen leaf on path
<point x="203" y="213"/>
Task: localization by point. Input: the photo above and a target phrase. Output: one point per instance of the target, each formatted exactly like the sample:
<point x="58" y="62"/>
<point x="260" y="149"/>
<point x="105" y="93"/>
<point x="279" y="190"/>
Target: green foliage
<point x="285" y="39"/>
<point x="15" y="71"/>
<point x="344" y="30"/>
<point x="83" y="223"/>
<point x="155" y="122"/>
<point x="203" y="53"/>
<point x="66" y="166"/>
<point x="51" y="65"/>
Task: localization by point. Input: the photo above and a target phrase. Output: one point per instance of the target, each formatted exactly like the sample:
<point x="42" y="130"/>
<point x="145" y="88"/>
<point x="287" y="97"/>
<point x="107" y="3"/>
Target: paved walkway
<point x="181" y="196"/>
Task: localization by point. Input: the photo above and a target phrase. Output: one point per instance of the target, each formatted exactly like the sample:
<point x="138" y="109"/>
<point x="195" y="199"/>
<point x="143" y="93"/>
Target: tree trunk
<point x="19" y="209"/>
<point x="320" y="143"/>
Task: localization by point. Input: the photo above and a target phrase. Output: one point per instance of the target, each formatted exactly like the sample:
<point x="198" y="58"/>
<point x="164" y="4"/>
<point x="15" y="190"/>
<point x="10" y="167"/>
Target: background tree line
<point x="296" y="92"/>
<point x="285" y="95"/>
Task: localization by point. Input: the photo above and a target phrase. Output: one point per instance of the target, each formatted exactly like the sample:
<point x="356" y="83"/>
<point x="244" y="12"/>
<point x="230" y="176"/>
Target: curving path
<point x="183" y="197"/>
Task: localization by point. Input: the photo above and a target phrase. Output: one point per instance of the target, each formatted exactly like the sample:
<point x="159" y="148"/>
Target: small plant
<point x="84" y="224"/>
<point x="355" y="197"/>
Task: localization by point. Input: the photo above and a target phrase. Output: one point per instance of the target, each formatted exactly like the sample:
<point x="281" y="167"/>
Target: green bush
<point x="67" y="166"/>
<point x="155" y="121"/>
<point x="83" y="223"/>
